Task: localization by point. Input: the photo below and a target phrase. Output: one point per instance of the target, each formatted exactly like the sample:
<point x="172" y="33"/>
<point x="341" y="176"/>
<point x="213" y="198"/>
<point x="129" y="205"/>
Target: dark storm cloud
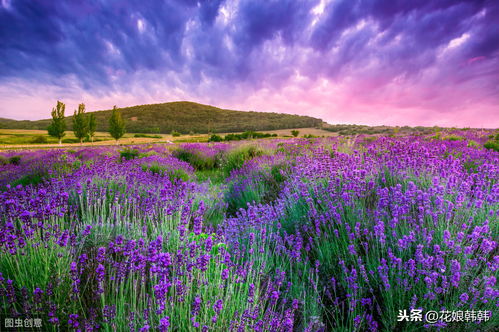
<point x="258" y="21"/>
<point x="102" y="44"/>
<point x="90" y="39"/>
<point x="409" y="32"/>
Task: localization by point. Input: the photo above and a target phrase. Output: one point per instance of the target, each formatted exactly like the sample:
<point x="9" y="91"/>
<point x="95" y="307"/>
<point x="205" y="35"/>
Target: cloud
<point x="432" y="57"/>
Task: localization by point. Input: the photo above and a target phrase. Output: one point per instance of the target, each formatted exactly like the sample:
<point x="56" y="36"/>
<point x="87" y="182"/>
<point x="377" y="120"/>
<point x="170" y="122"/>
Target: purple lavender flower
<point x="196" y="305"/>
<point x="164" y="323"/>
<point x="464" y="297"/>
<point x="218" y="306"/>
<point x="100" y="271"/>
<point x="73" y="321"/>
<point x="225" y="274"/>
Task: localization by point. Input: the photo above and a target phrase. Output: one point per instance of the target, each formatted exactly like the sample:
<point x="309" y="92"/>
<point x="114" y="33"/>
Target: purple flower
<point x="218" y="306"/>
<point x="100" y="272"/>
<point x="225" y="274"/>
<point x="295" y="304"/>
<point x="351" y="250"/>
<point x="208" y="244"/>
<point x="164" y="323"/>
<point x="411" y="267"/>
<point x="464" y="297"/>
<point x="73" y="321"/>
<point x="73" y="269"/>
<point x="202" y="262"/>
<point x="87" y="230"/>
<point x="456" y="274"/>
<point x="101" y="254"/>
<point x="196" y="305"/>
<point x="251" y="291"/>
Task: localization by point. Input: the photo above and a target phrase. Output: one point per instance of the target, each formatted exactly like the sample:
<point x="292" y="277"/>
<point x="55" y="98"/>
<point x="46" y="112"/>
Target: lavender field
<point x="331" y="234"/>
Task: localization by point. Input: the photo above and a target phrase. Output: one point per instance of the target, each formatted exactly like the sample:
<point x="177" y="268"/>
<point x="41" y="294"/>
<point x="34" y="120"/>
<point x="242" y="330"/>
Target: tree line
<point x="84" y="125"/>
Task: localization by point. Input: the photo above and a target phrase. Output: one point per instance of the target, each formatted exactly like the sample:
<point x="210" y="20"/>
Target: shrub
<point x="39" y="139"/>
<point x="129" y="154"/>
<point x="472" y="143"/>
<point x="215" y="138"/>
<point x="147" y="154"/>
<point x="163" y="170"/>
<point x="254" y="134"/>
<point x="178" y="174"/>
<point x="370" y="139"/>
<point x="232" y="137"/>
<point x="29" y="179"/>
<point x="236" y="158"/>
<point x="14" y="160"/>
<point x="492" y="145"/>
<point x="197" y="159"/>
<point x="295" y="133"/>
<point x="453" y="138"/>
<point x="247" y="135"/>
<point x="437" y="136"/>
<point x="175" y="133"/>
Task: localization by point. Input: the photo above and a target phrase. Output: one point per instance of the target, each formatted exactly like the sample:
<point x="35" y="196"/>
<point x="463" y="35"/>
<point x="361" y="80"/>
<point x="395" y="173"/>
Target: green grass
<point x="147" y="136"/>
<point x="38" y="137"/>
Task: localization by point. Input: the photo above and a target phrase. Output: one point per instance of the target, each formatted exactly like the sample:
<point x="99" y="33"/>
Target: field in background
<point x="28" y="138"/>
<point x="24" y="138"/>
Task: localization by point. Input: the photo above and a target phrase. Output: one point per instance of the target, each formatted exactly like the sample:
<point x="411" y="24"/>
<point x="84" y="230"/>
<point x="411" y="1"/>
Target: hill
<point x="184" y="117"/>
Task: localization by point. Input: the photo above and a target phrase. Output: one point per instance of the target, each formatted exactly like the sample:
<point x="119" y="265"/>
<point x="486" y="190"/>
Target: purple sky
<point x="397" y="62"/>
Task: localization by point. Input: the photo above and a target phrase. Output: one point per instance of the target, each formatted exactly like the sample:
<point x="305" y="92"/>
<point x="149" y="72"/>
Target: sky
<point x="397" y="62"/>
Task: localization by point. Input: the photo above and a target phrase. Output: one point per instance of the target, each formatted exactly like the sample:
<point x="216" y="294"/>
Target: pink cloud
<point x="474" y="59"/>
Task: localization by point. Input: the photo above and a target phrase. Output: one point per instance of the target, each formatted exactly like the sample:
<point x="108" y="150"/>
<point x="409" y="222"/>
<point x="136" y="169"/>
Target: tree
<point x="58" y="125"/>
<point x="295" y="133"/>
<point x="80" y="123"/>
<point x="116" y="125"/>
<point x="92" y="126"/>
